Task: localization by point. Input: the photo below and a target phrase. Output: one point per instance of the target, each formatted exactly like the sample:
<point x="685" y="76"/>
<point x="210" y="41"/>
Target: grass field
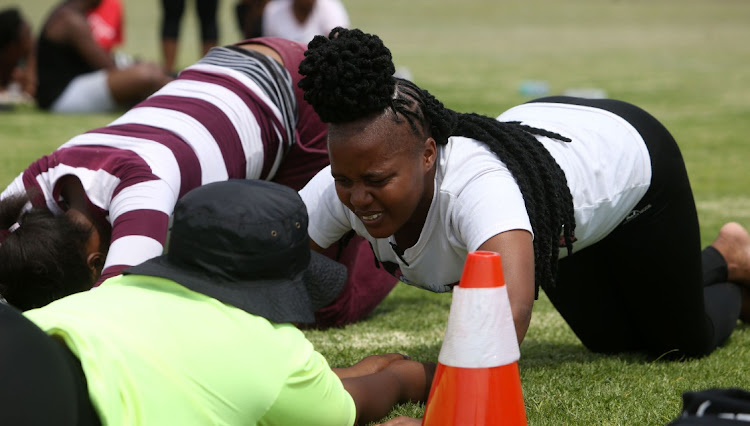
<point x="685" y="61"/>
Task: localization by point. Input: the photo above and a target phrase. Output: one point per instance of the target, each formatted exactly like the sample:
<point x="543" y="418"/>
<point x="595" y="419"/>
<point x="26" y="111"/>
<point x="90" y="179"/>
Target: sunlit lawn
<point x="686" y="61"/>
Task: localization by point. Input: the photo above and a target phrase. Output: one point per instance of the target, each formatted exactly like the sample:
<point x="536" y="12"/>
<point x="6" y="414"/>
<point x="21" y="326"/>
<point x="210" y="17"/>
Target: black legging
<point x="648" y="286"/>
<point x="41" y="381"/>
<point x="172" y="14"/>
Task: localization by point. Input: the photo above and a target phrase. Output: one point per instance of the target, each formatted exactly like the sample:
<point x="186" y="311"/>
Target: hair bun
<point x="347" y="76"/>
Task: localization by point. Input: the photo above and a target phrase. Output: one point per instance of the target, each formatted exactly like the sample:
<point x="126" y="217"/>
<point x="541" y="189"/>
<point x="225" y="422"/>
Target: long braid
<point x="349" y="76"/>
<point x="541" y="181"/>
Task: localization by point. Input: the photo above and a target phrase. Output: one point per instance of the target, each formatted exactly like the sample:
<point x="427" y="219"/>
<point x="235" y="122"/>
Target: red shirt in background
<point x="106" y="23"/>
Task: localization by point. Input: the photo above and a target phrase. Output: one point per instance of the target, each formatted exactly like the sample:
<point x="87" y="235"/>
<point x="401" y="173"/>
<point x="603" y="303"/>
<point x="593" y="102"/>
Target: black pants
<point x="648" y="286"/>
<point x="41" y="381"/>
<point x="172" y="11"/>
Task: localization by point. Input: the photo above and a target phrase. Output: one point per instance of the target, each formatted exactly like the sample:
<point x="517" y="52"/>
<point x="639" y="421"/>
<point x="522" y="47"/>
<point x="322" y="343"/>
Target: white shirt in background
<point x="279" y="20"/>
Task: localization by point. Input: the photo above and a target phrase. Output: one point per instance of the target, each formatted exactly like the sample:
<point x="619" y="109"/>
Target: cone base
<point x="475" y="396"/>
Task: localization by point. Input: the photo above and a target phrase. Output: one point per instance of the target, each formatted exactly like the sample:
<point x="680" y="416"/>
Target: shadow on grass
<point x="536" y="353"/>
<point x="545" y="354"/>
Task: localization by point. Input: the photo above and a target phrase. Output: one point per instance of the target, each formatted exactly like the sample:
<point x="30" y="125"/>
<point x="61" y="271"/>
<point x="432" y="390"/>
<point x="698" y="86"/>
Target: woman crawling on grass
<point x="601" y="179"/>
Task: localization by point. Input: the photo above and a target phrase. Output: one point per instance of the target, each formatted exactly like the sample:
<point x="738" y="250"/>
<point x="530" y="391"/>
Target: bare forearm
<point x="516" y="250"/>
<point x="521" y="319"/>
<point x="369" y="365"/>
<point x="401" y="381"/>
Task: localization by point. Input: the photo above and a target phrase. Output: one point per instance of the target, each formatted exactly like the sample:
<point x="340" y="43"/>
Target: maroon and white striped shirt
<point x="233" y="115"/>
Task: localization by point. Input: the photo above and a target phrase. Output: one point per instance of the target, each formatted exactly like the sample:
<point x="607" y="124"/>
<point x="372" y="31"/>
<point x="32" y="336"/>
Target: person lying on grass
<point x="77" y="75"/>
<point x="205" y="334"/>
<point x="101" y="202"/>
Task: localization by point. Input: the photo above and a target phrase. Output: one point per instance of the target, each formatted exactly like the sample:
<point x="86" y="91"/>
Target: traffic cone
<point x="477" y="381"/>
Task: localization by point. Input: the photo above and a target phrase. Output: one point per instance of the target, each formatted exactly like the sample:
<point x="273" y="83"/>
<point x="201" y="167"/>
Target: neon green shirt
<point x="156" y="353"/>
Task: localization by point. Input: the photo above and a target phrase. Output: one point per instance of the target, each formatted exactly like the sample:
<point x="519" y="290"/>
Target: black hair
<point x="349" y="76"/>
<point x="44" y="258"/>
<point x="10" y="25"/>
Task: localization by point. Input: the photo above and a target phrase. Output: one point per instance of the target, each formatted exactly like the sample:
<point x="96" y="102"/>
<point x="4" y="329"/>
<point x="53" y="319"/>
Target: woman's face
<point x="383" y="172"/>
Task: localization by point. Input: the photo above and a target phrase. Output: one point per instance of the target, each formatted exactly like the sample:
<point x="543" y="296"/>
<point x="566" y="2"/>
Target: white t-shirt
<point x="607" y="167"/>
<point x="279" y="20"/>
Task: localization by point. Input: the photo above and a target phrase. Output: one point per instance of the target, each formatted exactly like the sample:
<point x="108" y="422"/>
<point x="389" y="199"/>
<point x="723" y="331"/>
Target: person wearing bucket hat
<point x="261" y="260"/>
<point x="101" y="202"/>
<point x="203" y="334"/>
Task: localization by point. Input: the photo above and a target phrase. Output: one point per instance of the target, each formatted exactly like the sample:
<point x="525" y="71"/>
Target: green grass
<point x="686" y="61"/>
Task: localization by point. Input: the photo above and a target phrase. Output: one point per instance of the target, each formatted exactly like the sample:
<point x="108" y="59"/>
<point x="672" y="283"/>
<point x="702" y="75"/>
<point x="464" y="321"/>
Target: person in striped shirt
<point x="101" y="202"/>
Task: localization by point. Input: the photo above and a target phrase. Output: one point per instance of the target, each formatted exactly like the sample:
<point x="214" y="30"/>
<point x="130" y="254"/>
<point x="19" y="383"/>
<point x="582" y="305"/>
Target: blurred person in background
<point x="171" y="20"/>
<point x="76" y="75"/>
<point x="17" y="60"/>
<point x="301" y="20"/>
<point x="250" y="17"/>
<point x="107" y="24"/>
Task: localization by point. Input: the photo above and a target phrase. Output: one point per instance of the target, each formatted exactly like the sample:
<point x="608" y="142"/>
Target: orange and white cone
<point x="477" y="381"/>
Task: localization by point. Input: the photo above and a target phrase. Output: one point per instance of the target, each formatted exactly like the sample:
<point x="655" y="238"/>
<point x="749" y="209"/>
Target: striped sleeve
<point x="130" y="182"/>
<point x="140" y="222"/>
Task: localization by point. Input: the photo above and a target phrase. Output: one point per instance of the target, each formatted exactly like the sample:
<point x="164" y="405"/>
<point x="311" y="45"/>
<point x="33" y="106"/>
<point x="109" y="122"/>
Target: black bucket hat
<point x="245" y="243"/>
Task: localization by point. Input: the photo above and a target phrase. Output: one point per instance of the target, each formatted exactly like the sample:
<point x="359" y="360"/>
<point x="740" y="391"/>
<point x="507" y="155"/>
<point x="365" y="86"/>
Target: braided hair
<point x="349" y="76"/>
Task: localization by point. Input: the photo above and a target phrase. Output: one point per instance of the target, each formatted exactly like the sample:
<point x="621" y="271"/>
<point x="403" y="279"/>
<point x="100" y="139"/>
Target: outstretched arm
<point x="516" y="250"/>
<point x="369" y="365"/>
<point x="401" y="381"/>
<point x="316" y="396"/>
<point x="517" y="253"/>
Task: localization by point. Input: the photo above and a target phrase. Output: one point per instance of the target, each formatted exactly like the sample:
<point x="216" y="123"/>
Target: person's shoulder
<point x="464" y="160"/>
<point x="460" y="149"/>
